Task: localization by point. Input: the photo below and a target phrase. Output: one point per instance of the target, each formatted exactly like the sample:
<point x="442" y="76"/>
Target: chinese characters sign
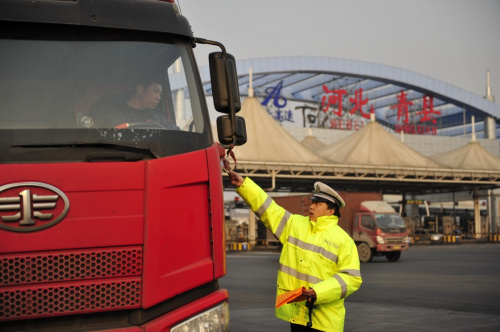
<point x="424" y="117"/>
<point x="350" y="110"/>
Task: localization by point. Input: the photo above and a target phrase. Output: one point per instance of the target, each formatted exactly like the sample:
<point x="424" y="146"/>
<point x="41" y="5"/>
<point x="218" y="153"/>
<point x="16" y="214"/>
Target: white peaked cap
<point x="322" y="192"/>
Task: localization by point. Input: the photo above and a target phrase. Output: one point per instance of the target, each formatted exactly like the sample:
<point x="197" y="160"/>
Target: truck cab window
<point x="55" y="92"/>
<point x="367" y="222"/>
<point x="390" y="222"/>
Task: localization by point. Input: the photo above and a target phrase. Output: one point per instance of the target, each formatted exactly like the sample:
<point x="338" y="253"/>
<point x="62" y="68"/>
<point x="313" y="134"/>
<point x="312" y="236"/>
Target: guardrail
<point x="458" y="239"/>
<point x="494" y="237"/>
<point x="237" y="246"/>
<point x="452" y="239"/>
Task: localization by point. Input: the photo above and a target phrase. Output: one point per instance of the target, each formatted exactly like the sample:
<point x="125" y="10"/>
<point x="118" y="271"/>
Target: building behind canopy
<point x="337" y="93"/>
<point x="328" y="101"/>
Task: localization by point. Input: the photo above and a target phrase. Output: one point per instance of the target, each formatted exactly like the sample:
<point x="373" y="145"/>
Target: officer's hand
<point x="305" y="294"/>
<point x="308" y="292"/>
<point x="236" y="179"/>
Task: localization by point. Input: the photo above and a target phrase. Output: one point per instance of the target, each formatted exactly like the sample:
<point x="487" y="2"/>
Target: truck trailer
<point x="111" y="227"/>
<point x="376" y="228"/>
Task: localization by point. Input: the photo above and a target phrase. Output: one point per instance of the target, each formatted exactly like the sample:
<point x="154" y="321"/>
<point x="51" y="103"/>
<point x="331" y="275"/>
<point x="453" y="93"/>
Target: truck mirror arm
<point x="198" y="40"/>
<point x="231" y="129"/>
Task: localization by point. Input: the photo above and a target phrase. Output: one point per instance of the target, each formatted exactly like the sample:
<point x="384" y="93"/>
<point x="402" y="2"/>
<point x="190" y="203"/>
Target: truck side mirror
<point x="220" y="83"/>
<point x="225" y="133"/>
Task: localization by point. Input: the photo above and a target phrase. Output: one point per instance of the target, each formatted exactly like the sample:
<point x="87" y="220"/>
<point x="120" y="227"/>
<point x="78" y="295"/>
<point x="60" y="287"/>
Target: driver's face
<point x="151" y="96"/>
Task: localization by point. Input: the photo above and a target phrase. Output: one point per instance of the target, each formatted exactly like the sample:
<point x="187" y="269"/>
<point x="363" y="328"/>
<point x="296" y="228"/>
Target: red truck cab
<point x="110" y="227"/>
<point x="379" y="231"/>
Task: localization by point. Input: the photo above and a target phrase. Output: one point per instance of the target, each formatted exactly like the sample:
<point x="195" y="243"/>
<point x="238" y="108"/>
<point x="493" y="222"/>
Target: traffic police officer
<point x="317" y="254"/>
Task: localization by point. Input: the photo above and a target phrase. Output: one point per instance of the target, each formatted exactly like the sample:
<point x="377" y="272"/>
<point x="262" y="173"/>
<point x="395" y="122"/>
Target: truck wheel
<point x="393" y="256"/>
<point x="365" y="253"/>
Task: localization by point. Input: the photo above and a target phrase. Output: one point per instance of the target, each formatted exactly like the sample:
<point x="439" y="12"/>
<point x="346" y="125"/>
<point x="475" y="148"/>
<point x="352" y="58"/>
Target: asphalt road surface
<point x="431" y="288"/>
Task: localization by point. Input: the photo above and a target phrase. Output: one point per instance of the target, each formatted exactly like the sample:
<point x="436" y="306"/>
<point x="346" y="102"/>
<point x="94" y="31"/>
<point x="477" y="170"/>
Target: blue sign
<point x="275" y="92"/>
<point x="279" y="114"/>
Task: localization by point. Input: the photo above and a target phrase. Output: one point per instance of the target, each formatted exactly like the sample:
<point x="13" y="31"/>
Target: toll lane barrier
<point x="235" y="246"/>
<point x="494" y="237"/>
<point x="452" y="239"/>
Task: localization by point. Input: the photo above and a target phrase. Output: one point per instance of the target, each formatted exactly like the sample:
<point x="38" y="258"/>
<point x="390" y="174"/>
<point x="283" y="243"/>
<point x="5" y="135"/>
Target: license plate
<point x="396" y="247"/>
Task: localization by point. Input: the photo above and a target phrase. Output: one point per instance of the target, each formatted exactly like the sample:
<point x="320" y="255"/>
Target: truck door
<point x="367" y="230"/>
<point x="355" y="228"/>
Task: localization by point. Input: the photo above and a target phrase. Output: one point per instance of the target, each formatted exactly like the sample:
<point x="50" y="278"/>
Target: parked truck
<point x="110" y="228"/>
<point x="376" y="228"/>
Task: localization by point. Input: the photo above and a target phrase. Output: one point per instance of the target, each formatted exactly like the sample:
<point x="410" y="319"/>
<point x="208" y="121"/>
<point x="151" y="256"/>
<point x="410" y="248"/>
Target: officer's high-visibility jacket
<point x="320" y="255"/>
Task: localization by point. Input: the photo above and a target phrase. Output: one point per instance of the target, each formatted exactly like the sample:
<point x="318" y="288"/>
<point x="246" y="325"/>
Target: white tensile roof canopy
<point x="372" y="157"/>
<point x="312" y="142"/>
<point x="472" y="156"/>
<point x="268" y="141"/>
<point x="374" y="146"/>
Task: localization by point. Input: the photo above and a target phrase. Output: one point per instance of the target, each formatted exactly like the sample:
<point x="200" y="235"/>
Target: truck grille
<point x="395" y="240"/>
<point x="69" y="282"/>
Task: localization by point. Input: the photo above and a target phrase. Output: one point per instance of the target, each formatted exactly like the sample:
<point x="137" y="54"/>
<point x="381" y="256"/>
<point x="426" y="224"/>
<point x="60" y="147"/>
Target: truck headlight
<point x="380" y="239"/>
<point x="213" y="320"/>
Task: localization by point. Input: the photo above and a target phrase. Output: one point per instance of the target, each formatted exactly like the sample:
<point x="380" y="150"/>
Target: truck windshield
<point x="390" y="223"/>
<point x="67" y="92"/>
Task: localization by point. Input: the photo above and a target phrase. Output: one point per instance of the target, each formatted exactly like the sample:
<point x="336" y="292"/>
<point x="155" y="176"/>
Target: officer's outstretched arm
<point x="274" y="217"/>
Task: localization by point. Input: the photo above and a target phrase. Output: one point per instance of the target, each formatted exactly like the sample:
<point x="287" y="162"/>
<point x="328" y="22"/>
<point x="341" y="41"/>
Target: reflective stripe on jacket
<point x="320" y="255"/>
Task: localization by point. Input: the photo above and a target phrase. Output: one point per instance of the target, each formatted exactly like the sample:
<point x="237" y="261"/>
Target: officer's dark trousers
<point x="302" y="328"/>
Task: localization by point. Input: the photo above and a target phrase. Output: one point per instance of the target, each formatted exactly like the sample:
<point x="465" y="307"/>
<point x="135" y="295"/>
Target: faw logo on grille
<point x="31" y="206"/>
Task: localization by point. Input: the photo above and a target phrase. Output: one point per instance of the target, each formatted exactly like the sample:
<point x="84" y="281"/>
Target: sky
<point x="455" y="41"/>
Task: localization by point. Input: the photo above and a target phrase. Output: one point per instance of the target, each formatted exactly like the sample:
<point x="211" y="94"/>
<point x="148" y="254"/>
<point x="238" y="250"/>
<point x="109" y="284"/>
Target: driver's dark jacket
<point x="114" y="110"/>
